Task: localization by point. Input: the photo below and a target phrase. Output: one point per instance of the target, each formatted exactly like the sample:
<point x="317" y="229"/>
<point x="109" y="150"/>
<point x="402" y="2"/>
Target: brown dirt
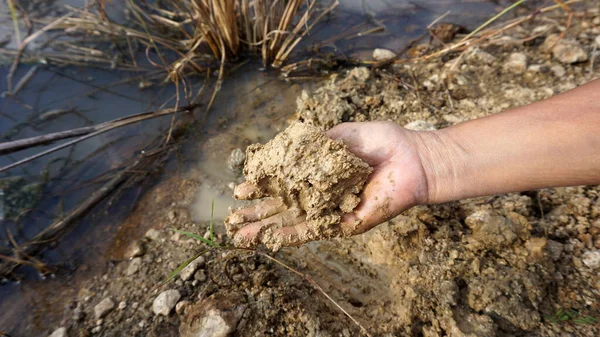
<point x="490" y="266"/>
<point x="311" y="173"/>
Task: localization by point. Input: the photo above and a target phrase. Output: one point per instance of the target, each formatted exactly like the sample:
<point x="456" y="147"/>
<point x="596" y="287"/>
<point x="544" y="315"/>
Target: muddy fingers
<point x="253" y="233"/>
<point x="247" y="191"/>
<point x="255" y="212"/>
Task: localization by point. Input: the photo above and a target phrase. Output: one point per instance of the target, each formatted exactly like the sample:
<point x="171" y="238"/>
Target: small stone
<point x="516" y="63"/>
<point x="597" y="41"/>
<point x="535" y="68"/>
<point x="152" y="234"/>
<point x="103" y="308"/>
<point x="380" y="55"/>
<point x="420" y="125"/>
<point x="477" y="55"/>
<point x="60" y="332"/>
<point x="171" y="215"/>
<point x="536" y="247"/>
<point x="134" y="266"/>
<point x="96" y="329"/>
<point x="569" y="53"/>
<point x="165" y="301"/>
<point x="122" y="305"/>
<point x="99" y="322"/>
<point x="200" y="275"/>
<point x="554" y="249"/>
<point x="361" y="74"/>
<point x="176" y="237"/>
<point x="135" y="305"/>
<point x="236" y="160"/>
<point x="142" y="324"/>
<point x="591" y="259"/>
<point x="191" y="268"/>
<point x="180" y="307"/>
<point x="135" y="249"/>
<point x="558" y="70"/>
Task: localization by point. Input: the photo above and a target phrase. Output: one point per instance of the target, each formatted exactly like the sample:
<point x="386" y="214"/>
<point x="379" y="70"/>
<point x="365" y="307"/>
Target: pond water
<point x="251" y="105"/>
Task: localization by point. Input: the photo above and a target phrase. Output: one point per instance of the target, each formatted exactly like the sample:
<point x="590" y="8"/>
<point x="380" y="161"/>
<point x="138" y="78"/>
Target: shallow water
<point x="251" y="107"/>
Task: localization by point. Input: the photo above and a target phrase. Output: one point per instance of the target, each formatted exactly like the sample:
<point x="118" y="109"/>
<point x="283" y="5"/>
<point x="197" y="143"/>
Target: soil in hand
<point x="316" y="178"/>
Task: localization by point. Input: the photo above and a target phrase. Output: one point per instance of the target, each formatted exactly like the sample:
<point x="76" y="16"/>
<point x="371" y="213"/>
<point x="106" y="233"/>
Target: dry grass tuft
<point x="201" y="31"/>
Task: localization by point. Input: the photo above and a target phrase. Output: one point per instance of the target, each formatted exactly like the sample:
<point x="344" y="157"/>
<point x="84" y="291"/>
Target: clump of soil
<point x="309" y="172"/>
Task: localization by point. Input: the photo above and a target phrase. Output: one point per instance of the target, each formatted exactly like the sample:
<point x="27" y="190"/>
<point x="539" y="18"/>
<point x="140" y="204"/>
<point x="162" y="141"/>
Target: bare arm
<point x="555" y="142"/>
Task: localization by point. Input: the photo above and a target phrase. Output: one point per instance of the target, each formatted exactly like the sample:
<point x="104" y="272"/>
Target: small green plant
<point x="572" y="316"/>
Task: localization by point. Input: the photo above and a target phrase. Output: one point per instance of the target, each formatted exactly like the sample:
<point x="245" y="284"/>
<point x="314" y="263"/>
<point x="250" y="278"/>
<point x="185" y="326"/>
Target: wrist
<point x="444" y="161"/>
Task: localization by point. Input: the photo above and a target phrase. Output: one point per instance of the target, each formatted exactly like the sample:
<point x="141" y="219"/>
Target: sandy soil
<point x="492" y="266"/>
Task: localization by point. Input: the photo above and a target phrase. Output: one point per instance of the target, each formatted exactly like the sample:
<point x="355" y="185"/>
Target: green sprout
<point x="571" y="316"/>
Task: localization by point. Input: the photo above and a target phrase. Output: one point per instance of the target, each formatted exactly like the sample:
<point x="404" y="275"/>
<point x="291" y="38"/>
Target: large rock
<point x="216" y="316"/>
<point x="104" y="307"/>
<point x="165" y="302"/>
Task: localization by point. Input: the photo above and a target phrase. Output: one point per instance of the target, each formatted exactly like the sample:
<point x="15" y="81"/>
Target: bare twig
<point x="87" y="132"/>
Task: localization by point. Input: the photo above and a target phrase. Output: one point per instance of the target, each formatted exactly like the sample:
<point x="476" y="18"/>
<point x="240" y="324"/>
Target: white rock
<point x="60" y="332"/>
<point x="380" y="54"/>
<point x="591" y="259"/>
<point x="134" y="266"/>
<point x="135" y="249"/>
<point x="597" y="41"/>
<point x="516" y="63"/>
<point x="214" y="325"/>
<point x="420" y="125"/>
<point x="104" y="307"/>
<point x="153" y="234"/>
<point x="535" y="68"/>
<point x="122" y="305"/>
<point x="569" y="53"/>
<point x="165" y="302"/>
<point x="558" y="70"/>
<point x="191" y="268"/>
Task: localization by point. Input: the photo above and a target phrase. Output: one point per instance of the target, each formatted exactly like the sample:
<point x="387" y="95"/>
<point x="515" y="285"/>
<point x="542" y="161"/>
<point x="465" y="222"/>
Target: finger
<point x="247" y="191"/>
<point x="250" y="234"/>
<point x="256" y="212"/>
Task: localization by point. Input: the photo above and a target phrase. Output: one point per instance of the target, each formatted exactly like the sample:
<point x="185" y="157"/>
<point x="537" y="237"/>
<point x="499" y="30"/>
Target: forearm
<point x="551" y="143"/>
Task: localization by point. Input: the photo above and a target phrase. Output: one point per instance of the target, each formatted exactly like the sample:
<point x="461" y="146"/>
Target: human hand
<point x="398" y="182"/>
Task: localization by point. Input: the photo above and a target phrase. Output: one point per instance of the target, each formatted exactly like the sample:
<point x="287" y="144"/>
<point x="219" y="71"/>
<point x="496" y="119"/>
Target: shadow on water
<point x="251" y="107"/>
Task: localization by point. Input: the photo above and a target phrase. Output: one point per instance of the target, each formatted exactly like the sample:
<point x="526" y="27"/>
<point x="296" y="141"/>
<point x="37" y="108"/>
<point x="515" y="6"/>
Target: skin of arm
<point x="551" y="143"/>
